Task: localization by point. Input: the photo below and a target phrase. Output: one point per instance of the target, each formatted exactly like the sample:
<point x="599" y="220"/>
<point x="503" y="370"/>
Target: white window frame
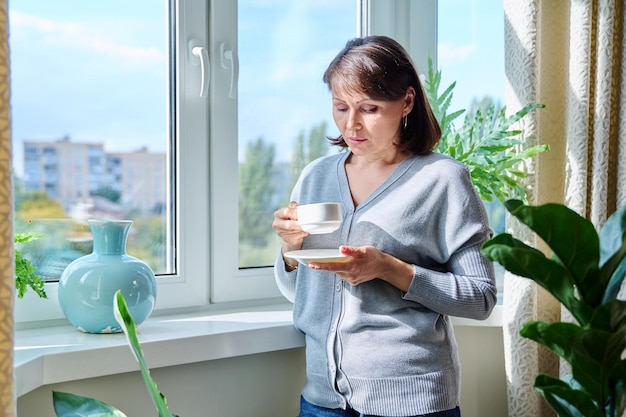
<point x="206" y="163"/>
<point x="412" y="23"/>
<point x="229" y="283"/>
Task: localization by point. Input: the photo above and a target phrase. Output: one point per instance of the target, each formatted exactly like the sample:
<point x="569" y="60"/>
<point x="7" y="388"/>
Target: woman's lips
<point x="355" y="139"/>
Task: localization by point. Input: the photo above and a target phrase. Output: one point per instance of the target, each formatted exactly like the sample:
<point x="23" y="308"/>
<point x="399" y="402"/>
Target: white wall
<point x="268" y="384"/>
<point x="483" y="390"/>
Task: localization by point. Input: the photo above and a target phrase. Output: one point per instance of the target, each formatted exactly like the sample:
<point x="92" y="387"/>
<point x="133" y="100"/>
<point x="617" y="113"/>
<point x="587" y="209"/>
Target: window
<point x="206" y="108"/>
<point x="283" y="106"/>
<point x="280" y="100"/>
<point x="100" y="92"/>
<point x="159" y="94"/>
<point x="462" y="34"/>
<point x="283" y="112"/>
<point x="94" y="136"/>
<point x="470" y="51"/>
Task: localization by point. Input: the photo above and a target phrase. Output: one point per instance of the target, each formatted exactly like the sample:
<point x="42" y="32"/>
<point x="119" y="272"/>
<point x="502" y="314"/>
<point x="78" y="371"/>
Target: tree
<point x="264" y="186"/>
<point x="256" y="192"/>
<point x="108" y="193"/>
<point x="37" y="205"/>
<point x="305" y="152"/>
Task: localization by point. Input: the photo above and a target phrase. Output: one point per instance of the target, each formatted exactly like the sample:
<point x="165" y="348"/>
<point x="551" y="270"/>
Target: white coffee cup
<point x="320" y="218"/>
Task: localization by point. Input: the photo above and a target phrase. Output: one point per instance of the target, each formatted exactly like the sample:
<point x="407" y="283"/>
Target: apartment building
<point x="73" y="173"/>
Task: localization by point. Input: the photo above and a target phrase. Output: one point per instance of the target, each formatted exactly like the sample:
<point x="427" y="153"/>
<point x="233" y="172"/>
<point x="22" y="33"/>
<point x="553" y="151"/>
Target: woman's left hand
<point x="368" y="263"/>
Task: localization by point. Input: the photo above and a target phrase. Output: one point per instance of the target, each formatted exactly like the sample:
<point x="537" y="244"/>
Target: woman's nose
<point x="353" y="121"/>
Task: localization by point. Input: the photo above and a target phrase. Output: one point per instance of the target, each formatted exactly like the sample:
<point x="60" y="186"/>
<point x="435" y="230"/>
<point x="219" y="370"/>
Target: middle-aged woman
<point x="379" y="341"/>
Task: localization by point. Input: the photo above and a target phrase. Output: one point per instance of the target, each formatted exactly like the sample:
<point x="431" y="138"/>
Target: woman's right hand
<point x="287" y="227"/>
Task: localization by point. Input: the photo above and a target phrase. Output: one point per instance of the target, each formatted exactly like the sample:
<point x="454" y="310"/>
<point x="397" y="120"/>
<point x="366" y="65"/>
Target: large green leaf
<point x="613" y="253"/>
<point x="71" y="405"/>
<point x="593" y="353"/>
<point x="526" y="261"/>
<point x="555" y="336"/>
<point x="572" y="238"/>
<point x="613" y="234"/>
<point x="615" y="279"/>
<point x="125" y="320"/>
<point x="564" y="400"/>
<point x="584" y="274"/>
<point x="593" y="358"/>
<point x="610" y="316"/>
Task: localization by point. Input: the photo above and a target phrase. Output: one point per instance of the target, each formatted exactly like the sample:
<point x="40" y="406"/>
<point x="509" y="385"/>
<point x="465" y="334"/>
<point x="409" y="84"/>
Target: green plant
<point x="25" y="272"/>
<point x="584" y="273"/>
<point x="71" y="405"/>
<point x="485" y="142"/>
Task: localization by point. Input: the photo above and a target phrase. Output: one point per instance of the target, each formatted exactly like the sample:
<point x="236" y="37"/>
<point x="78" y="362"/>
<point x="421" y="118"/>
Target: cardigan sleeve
<point x="464" y="285"/>
<point x="467" y="290"/>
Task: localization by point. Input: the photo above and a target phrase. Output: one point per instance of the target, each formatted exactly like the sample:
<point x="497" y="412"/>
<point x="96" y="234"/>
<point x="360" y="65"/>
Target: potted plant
<point x="486" y="141"/>
<point x="585" y="273"/>
<point x="25" y="273"/>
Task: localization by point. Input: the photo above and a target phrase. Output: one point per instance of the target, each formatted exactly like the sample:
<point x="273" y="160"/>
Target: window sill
<point x="61" y="353"/>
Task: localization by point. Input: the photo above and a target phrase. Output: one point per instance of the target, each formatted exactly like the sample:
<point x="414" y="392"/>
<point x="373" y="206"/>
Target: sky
<point x="85" y="70"/>
<point x="81" y="69"/>
<point x="284" y="48"/>
<point x="471" y="49"/>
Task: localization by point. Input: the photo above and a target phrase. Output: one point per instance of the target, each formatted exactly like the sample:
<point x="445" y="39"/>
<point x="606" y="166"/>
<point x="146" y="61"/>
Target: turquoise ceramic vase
<point x="88" y="285"/>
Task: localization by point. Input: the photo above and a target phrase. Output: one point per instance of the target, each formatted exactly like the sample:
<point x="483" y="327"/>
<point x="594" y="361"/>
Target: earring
<point x="405" y="120"/>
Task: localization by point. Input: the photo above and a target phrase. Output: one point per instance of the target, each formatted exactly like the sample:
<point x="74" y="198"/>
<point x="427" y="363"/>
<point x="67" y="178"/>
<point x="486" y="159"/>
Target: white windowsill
<point x="59" y="354"/>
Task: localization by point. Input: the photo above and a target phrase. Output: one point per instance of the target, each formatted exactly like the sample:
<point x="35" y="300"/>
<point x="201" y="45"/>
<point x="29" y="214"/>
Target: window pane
<point x="89" y="126"/>
<point x="284" y="107"/>
<point x="470" y="51"/>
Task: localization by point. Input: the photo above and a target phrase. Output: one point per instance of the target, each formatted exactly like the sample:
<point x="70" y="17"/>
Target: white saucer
<point x="321" y="227"/>
<point x="305" y="257"/>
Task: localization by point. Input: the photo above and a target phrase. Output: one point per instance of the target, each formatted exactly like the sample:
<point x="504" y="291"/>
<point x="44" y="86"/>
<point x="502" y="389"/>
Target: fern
<point x="25" y="272"/>
<point x="485" y="142"/>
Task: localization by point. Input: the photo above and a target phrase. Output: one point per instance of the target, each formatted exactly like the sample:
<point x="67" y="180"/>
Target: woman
<point x="379" y="341"/>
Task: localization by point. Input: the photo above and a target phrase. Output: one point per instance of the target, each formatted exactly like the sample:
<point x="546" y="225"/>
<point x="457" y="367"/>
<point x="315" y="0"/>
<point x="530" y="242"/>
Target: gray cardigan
<point x="372" y="346"/>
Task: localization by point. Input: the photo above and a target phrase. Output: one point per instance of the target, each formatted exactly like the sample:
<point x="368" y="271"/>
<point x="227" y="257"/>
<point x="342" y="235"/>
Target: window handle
<point x="201" y="53"/>
<point x="229" y="60"/>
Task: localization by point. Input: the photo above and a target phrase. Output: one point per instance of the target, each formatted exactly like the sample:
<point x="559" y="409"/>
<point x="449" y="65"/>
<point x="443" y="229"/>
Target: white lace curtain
<point x="7" y="281"/>
<point x="571" y="56"/>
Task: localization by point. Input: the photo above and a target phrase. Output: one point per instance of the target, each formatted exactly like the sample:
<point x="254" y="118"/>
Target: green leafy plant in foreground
<point x="25" y="272"/>
<point x="71" y="405"/>
<point x="485" y="142"/>
<point x="584" y="273"/>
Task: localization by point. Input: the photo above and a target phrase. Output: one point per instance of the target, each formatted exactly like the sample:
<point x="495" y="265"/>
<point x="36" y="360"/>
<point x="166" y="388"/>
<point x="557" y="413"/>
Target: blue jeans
<point x="309" y="410"/>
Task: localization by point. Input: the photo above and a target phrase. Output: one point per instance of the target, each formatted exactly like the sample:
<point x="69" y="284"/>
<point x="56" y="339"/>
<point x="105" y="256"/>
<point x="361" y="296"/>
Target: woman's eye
<point x="341" y="109"/>
<point x="369" y="109"/>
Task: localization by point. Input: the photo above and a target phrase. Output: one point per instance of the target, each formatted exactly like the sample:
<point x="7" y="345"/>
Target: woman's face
<point x="370" y="127"/>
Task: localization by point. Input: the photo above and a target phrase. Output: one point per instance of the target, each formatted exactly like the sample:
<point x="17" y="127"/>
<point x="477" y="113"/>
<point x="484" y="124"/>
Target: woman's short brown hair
<point x="380" y="68"/>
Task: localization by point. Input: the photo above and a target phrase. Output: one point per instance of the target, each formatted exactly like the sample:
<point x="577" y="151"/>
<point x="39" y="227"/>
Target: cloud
<point x="302" y="46"/>
<point x="454" y="53"/>
<point x="80" y="36"/>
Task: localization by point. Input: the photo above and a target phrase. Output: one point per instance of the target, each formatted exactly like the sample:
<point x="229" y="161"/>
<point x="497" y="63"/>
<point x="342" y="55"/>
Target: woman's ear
<point x="409" y="100"/>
